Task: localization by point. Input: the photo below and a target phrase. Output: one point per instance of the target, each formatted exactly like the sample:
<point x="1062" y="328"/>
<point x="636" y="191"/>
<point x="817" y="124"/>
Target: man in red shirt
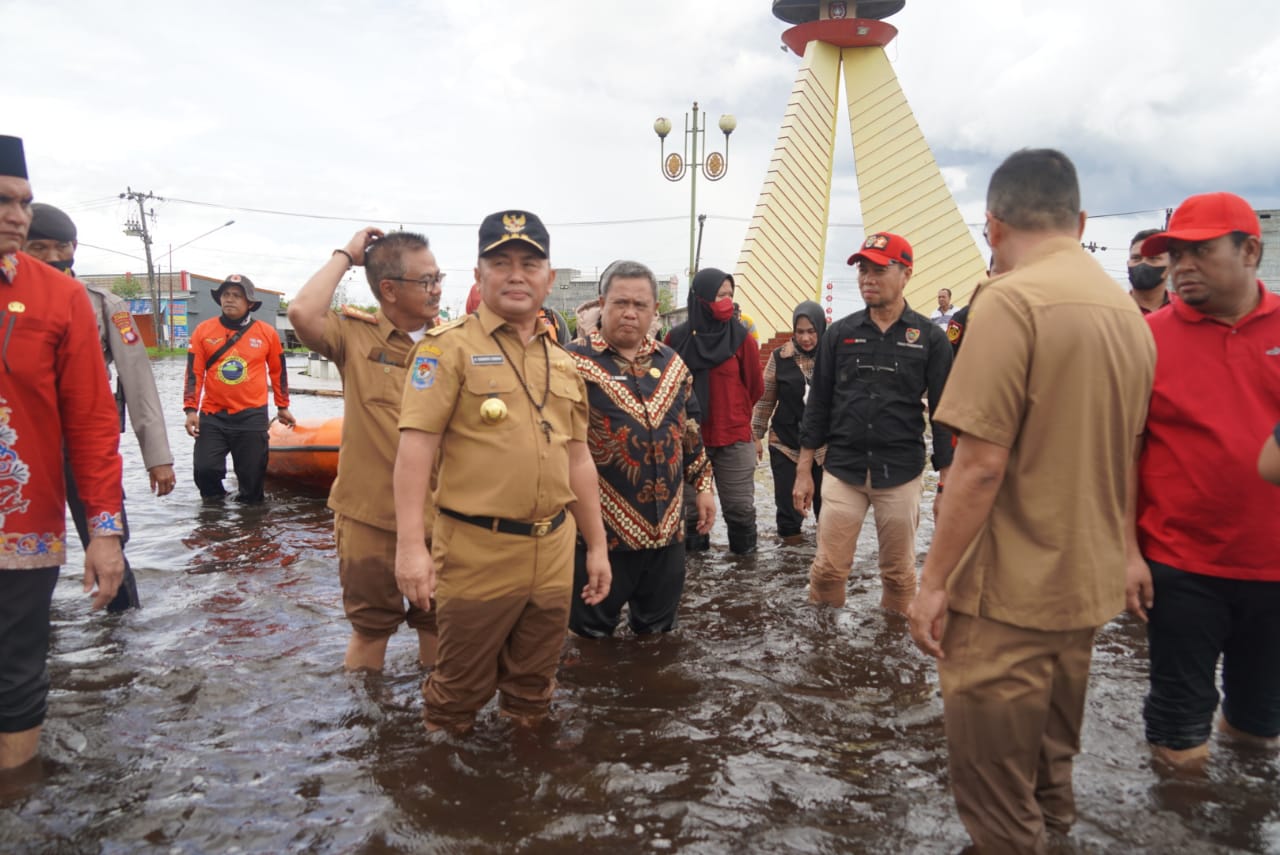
<point x="1203" y="566"/>
<point x="230" y="362"/>
<point x="53" y="393"/>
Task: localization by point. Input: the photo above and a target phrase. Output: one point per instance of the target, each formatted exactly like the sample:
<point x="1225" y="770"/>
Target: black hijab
<point x="702" y="341"/>
<point x="812" y="311"/>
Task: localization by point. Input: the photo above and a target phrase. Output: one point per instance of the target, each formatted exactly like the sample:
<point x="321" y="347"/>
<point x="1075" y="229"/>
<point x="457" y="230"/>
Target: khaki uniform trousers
<point x="844" y="507"/>
<point x="367" y="571"/>
<point x="502" y="609"/>
<point x="1013" y="702"/>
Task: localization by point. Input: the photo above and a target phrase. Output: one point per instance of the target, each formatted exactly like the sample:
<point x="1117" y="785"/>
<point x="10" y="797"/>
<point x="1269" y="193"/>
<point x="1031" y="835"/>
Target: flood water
<point x="218" y="718"/>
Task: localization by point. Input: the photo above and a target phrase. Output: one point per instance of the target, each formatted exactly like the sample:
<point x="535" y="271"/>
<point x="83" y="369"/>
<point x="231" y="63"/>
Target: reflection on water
<point x="218" y="719"/>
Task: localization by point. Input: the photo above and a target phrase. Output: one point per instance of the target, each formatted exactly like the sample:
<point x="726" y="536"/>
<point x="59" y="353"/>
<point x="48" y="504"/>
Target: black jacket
<point x="865" y="401"/>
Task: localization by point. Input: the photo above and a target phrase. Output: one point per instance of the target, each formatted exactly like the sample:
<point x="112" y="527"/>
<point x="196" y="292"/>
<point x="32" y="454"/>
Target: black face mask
<point x="1144" y="277"/>
<point x="64" y="266"/>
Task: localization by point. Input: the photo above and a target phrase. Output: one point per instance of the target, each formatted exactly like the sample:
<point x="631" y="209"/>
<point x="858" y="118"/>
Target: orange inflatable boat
<point x="305" y="454"/>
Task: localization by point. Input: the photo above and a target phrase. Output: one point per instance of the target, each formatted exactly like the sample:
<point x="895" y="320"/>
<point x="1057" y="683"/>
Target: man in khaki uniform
<point x="507" y="412"/>
<point x="1049" y="397"/>
<point x="372" y="353"/>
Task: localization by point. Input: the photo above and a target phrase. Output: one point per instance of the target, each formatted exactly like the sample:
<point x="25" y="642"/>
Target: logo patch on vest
<point x="233" y="371"/>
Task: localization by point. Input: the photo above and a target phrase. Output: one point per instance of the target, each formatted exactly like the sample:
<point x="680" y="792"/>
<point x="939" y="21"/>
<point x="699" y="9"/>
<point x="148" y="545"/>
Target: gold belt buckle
<point x="541" y="528"/>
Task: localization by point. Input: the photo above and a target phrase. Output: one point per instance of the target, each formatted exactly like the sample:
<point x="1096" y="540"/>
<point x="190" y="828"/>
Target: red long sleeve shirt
<point x="735" y="386"/>
<point x="239" y="379"/>
<point x="53" y="390"/>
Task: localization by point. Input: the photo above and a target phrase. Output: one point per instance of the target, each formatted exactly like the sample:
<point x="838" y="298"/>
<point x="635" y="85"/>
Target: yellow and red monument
<point x="899" y="183"/>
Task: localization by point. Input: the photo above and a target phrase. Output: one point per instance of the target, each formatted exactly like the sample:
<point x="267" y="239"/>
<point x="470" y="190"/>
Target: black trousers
<point x="25" y="596"/>
<point x="242" y="435"/>
<point x="648" y="581"/>
<point x="127" y="596"/>
<point x="784" y="481"/>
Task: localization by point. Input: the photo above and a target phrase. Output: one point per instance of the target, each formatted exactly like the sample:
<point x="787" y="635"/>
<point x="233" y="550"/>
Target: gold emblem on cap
<point x="493" y="410"/>
<point x="655" y="373"/>
<point x="513" y="223"/>
<point x="16" y="306"/>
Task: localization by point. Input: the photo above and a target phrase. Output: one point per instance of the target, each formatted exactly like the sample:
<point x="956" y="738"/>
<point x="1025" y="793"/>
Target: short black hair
<point x="1143" y="235"/>
<point x="1035" y="189"/>
<point x="1238" y="238"/>
<point x="384" y="258"/>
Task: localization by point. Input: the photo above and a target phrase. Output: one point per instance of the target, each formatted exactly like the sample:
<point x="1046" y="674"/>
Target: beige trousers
<point x="1013" y="703"/>
<point x="844" y="507"/>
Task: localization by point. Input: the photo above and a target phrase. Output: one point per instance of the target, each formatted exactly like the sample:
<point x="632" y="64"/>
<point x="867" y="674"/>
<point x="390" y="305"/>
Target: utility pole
<point x="138" y="228"/>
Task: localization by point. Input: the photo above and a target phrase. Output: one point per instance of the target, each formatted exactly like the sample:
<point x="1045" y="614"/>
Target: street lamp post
<point x="170" y="254"/>
<point x="674" y="165"/>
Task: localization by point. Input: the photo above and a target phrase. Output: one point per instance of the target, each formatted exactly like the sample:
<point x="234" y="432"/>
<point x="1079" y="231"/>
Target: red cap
<point x="882" y="248"/>
<point x="1205" y="217"/>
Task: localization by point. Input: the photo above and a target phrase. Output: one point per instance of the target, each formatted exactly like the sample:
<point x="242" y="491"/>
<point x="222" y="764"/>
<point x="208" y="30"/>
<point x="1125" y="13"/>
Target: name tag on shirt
<point x="487" y="359"/>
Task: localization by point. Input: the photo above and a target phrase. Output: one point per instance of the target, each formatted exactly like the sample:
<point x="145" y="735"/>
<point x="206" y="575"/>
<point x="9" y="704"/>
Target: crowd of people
<point x="502" y="481"/>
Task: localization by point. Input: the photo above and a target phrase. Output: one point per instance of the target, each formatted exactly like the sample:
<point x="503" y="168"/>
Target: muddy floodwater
<point x="218" y="718"/>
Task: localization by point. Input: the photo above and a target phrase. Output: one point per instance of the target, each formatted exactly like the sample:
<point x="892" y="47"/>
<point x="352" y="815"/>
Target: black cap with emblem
<point x="504" y="226"/>
<point x="13" y="161"/>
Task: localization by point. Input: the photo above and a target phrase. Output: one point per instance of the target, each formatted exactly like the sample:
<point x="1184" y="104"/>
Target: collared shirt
<point x="1144" y="309"/>
<point x="1056" y="368"/>
<point x="1201" y="505"/>
<point x="53" y="392"/>
<point x="510" y="468"/>
<point x="781" y="407"/>
<point x="864" y="403"/>
<point x="373" y="358"/>
<point x="644" y="438"/>
<point x="238" y="382"/>
<point x="941" y="318"/>
<point x="122" y="346"/>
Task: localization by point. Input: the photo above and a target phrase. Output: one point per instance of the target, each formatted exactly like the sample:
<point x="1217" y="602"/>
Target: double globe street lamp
<point x="675" y="165"/>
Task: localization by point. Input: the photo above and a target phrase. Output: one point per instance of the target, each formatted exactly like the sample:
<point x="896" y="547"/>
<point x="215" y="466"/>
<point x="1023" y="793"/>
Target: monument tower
<point x="900" y="186"/>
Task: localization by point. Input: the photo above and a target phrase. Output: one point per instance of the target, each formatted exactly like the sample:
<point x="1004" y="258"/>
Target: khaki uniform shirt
<point x="122" y="345"/>
<point x="508" y="469"/>
<point x="1057" y="366"/>
<point x="373" y="357"/>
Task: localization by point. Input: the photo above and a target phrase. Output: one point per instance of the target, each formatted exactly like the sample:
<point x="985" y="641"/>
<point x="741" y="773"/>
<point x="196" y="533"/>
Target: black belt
<point x="534" y="529"/>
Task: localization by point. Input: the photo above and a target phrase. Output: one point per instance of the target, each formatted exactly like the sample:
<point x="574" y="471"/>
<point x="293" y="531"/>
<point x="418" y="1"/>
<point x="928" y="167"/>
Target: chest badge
<point x="493" y="410"/>
<point x="17" y="307"/>
<point x="655" y="373"/>
<point x="913" y="335"/>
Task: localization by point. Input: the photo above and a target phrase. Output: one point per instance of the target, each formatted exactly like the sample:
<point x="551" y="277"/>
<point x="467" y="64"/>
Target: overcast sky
<point x="437" y="112"/>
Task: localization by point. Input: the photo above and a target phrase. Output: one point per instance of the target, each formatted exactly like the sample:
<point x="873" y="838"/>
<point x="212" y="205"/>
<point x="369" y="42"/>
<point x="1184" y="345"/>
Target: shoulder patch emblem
<point x="424" y="370"/>
<point x="123" y="322"/>
<point x="954" y="331"/>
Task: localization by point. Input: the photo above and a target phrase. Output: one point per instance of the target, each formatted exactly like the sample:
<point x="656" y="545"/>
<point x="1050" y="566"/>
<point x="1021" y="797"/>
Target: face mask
<point x="1144" y="277"/>
<point x="722" y="310"/>
<point x="64" y="266"/>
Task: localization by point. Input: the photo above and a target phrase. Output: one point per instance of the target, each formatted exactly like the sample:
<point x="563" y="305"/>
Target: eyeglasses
<point x="427" y="282"/>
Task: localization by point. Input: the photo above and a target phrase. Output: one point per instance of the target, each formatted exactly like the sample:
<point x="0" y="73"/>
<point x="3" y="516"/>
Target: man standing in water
<point x="872" y="369"/>
<point x="53" y="392"/>
<point x="642" y="402"/>
<point x="1048" y="398"/>
<point x="508" y="413"/>
<point x="52" y="239"/>
<point x="230" y="362"/>
<point x="372" y="353"/>
<point x="1204" y="566"/>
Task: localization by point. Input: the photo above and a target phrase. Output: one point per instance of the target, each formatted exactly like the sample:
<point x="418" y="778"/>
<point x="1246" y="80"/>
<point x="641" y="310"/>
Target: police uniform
<point x="502" y="539"/>
<point x="372" y="356"/>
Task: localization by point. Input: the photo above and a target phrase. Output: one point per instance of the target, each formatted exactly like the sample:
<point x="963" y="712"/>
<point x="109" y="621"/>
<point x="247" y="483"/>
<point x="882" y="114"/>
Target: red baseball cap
<point x="1205" y="217"/>
<point x="882" y="248"/>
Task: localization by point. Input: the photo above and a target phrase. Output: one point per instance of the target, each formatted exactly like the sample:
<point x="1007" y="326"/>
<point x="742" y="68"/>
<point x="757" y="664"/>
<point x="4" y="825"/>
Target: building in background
<point x="186" y="299"/>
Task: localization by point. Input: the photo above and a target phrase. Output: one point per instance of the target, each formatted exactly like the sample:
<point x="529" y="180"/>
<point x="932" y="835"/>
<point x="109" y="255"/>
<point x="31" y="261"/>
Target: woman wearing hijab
<point x="779" y="412"/>
<point x="727" y="381"/>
